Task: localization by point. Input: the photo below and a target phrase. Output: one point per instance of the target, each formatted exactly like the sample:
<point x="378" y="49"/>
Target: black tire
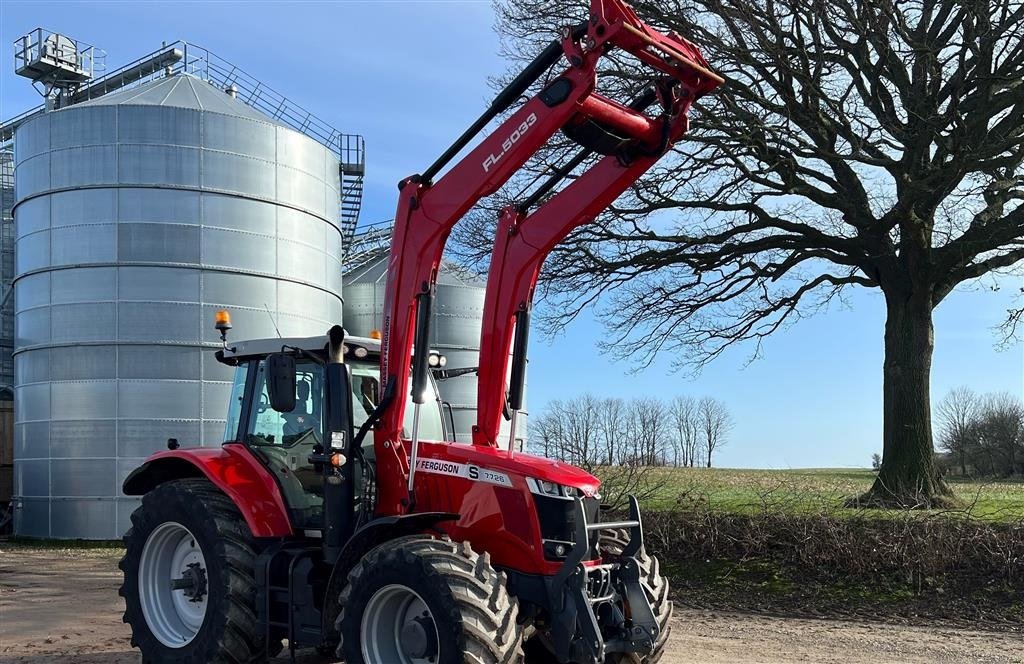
<point x="473" y="612"/>
<point x="613" y="542"/>
<point x="228" y="634"/>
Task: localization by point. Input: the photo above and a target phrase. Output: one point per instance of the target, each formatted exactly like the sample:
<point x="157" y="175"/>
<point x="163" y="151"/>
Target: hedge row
<point x="940" y="566"/>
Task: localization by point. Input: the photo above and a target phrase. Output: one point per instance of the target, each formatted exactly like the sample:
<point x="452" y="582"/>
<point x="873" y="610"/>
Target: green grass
<point x="814" y="491"/>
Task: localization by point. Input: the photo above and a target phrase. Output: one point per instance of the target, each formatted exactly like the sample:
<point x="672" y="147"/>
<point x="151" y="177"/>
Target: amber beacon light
<point x="222" y="322"/>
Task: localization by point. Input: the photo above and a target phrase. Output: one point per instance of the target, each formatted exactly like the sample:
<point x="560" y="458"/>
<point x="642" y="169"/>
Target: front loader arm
<point x="428" y="210"/>
<point x="426" y="214"/>
<point x="521" y="245"/>
<point x="524" y="240"/>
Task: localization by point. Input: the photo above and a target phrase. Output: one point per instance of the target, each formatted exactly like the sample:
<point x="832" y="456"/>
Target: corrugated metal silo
<point x="138" y="215"/>
<point x="458" y="311"/>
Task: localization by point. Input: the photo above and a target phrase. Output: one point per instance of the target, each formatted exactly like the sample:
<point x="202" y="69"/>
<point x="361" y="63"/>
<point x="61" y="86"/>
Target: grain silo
<point x="139" y="213"/>
<point x="458" y="312"/>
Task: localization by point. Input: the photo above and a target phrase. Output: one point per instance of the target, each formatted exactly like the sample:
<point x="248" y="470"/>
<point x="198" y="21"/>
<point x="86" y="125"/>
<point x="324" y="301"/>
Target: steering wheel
<point x="264" y="404"/>
<point x="307" y="437"/>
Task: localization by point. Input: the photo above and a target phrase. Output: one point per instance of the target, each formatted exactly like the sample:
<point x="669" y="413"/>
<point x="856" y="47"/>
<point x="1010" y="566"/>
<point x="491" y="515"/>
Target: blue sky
<point x="410" y="76"/>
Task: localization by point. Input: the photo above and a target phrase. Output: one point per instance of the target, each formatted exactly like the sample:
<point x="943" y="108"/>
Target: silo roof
<point x="180" y="91"/>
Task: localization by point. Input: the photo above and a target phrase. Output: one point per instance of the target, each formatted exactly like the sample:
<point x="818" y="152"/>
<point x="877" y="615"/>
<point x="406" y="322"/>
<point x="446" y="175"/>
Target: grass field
<point x="814" y="491"/>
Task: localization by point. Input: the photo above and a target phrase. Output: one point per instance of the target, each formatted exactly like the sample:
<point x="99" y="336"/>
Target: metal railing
<point x="46" y="53"/>
<point x="371" y="243"/>
<point x="203" y="63"/>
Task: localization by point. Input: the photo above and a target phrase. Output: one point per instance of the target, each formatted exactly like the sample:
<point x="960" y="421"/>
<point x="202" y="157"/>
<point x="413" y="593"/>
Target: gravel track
<point x="61" y="605"/>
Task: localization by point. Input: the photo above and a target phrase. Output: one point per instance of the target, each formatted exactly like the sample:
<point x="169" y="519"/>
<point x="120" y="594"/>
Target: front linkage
<point x="594" y="611"/>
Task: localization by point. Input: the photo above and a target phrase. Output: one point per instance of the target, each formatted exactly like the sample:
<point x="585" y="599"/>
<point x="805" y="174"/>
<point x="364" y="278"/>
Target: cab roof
<point x="262" y="347"/>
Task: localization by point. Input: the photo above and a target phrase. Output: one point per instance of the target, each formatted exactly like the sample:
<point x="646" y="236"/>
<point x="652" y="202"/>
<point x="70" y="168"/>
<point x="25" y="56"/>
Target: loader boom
<point x="523" y="240"/>
<point x="427" y="210"/>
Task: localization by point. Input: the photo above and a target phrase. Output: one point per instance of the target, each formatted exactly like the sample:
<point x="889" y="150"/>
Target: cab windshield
<point x="366" y="395"/>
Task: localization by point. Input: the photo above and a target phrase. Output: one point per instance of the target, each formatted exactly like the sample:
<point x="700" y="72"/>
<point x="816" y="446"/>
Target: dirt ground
<point x="61" y="605"/>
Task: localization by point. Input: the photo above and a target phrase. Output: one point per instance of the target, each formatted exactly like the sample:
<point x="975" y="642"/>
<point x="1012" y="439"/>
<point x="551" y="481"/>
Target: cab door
<point x="285" y="441"/>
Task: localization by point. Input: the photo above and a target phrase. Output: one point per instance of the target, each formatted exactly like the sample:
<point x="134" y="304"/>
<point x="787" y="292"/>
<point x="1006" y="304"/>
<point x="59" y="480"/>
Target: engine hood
<point x="523" y="464"/>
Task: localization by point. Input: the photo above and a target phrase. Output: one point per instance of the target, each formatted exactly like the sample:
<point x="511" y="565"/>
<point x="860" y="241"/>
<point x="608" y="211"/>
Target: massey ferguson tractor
<point x="337" y="517"/>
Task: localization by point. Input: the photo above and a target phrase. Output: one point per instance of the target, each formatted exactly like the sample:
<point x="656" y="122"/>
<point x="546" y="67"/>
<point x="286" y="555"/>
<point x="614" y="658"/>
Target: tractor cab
<point x="285" y="441"/>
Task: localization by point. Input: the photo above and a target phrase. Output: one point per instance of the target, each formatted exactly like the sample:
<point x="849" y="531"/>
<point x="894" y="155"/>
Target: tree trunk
<point x="907" y="476"/>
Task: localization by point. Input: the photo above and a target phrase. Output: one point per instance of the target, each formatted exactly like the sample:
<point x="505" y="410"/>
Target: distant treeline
<point x="982" y="435"/>
<point x="589" y="431"/>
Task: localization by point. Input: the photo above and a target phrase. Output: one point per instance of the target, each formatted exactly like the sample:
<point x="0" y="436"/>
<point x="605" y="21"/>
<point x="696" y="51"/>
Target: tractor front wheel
<point x="189" y="588"/>
<point x="422" y="600"/>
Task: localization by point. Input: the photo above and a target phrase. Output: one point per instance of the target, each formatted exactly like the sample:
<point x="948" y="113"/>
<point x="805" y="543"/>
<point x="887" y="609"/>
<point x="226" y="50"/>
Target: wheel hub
<point x="398" y="628"/>
<point x="173" y="584"/>
<point x="192" y="582"/>
<point x="419" y="637"/>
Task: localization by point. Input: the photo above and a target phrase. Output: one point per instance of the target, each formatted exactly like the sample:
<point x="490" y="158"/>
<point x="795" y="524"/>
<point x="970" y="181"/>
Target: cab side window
<point x="303" y="423"/>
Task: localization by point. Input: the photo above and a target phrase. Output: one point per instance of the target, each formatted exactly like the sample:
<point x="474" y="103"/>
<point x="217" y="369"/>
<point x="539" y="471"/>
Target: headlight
<point x="552" y="489"/>
<point x="549" y="488"/>
<point x="436" y="360"/>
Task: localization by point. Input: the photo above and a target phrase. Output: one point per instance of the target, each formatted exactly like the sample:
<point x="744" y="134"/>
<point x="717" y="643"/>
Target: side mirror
<point x="280" y="369"/>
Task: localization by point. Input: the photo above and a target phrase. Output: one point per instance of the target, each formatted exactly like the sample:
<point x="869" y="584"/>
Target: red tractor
<point x="337" y="517"/>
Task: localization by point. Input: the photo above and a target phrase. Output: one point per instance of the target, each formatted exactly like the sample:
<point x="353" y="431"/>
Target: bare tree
<point x="581" y="430"/>
<point x="613" y="428"/>
<point x="606" y="437"/>
<point x="956" y="414"/>
<point x="862" y="143"/>
<point x="715" y="424"/>
<point x="984" y="434"/>
<point x="683" y="410"/>
<point x="546" y="429"/>
<point x="997" y="433"/>
<point x="651" y="418"/>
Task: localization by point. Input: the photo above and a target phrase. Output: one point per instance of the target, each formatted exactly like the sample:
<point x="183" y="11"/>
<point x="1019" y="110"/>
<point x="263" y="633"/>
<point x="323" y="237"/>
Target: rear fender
<point x="233" y="470"/>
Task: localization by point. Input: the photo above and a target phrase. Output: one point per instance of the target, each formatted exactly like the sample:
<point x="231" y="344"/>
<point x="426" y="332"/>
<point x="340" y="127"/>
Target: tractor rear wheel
<point x="189" y="587"/>
<point x="613" y="542"/>
<point x="423" y="600"/>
